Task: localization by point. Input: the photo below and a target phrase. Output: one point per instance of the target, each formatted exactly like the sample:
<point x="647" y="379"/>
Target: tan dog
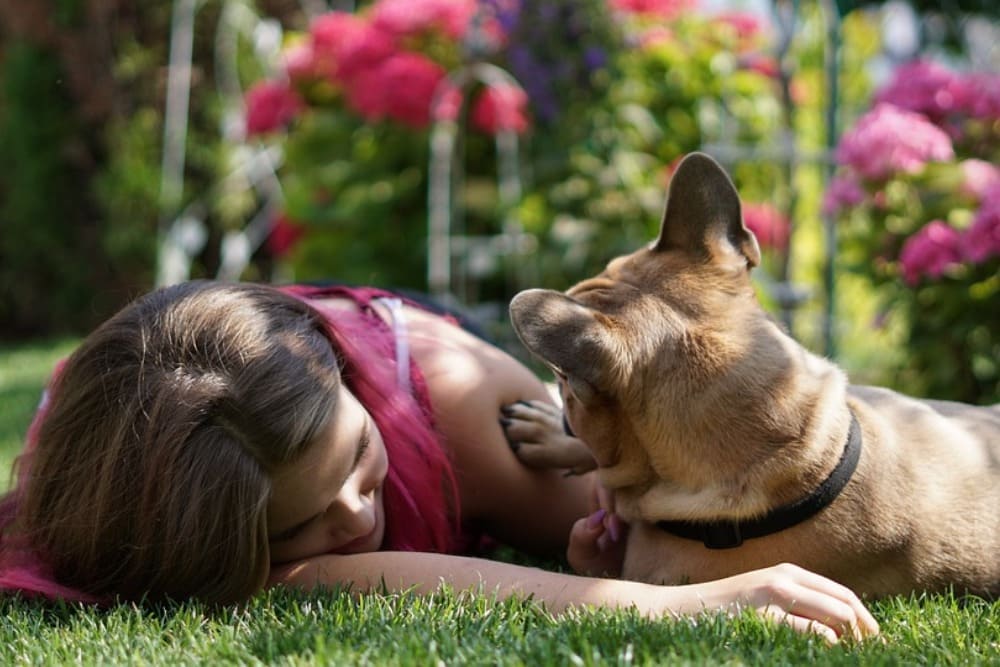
<point x="730" y="447"/>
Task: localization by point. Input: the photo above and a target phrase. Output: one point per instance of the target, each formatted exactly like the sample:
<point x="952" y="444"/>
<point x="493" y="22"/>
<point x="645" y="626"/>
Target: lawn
<point x="333" y="627"/>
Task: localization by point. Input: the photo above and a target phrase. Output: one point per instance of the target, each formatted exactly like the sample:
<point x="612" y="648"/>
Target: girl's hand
<point x="597" y="545"/>
<point x="534" y="430"/>
<point x="791" y="595"/>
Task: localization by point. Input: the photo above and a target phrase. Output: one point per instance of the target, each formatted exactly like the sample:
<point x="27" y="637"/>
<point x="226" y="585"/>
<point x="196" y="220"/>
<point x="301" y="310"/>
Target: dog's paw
<point x="535" y="432"/>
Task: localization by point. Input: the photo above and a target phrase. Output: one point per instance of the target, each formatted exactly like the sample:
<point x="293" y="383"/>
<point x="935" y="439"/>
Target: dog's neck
<point x="786" y="432"/>
<point x="728" y="533"/>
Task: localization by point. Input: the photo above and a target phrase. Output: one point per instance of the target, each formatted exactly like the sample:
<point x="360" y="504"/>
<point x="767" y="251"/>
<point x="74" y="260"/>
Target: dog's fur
<point x="697" y="406"/>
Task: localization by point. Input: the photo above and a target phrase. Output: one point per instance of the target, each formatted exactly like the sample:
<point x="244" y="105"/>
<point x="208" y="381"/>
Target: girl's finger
<point x="801" y="623"/>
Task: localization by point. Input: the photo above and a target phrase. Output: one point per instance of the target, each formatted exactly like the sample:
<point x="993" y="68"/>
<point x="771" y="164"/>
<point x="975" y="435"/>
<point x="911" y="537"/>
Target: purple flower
<point x="888" y="140"/>
<point x="843" y="192"/>
<point x="982" y="239"/>
<point x="930" y="252"/>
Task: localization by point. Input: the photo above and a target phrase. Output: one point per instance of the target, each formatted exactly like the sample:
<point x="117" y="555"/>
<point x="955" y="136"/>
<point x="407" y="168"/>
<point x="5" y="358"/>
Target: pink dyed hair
<point x="420" y="492"/>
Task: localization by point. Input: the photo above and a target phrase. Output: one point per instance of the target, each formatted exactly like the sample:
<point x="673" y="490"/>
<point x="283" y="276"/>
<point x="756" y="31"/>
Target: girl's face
<point x="330" y="499"/>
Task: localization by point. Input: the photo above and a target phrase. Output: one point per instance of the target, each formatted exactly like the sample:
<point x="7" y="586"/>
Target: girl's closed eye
<point x="363" y="445"/>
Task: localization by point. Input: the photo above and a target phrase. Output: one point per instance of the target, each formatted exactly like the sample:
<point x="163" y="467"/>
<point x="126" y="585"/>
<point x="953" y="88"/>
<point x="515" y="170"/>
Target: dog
<point x="729" y="447"/>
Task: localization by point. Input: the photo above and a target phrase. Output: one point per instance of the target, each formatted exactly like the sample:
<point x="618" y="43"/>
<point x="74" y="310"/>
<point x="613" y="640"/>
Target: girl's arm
<point x="469" y="381"/>
<point x="784" y="593"/>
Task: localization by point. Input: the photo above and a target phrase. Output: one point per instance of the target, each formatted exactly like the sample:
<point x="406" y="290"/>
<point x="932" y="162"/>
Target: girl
<point x="211" y="439"/>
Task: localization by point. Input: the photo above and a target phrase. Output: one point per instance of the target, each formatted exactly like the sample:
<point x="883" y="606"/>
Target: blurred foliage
<point x="48" y="271"/>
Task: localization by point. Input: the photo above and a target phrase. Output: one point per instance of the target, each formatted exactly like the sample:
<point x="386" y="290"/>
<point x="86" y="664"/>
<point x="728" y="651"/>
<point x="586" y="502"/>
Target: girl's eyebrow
<point x="363" y="442"/>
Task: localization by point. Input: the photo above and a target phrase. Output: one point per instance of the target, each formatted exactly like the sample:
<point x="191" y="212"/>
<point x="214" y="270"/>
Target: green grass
<point x="333" y="627"/>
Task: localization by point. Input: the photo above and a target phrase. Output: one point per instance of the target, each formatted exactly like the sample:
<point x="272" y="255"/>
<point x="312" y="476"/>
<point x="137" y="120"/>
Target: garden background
<point x="278" y="141"/>
<point x="473" y="148"/>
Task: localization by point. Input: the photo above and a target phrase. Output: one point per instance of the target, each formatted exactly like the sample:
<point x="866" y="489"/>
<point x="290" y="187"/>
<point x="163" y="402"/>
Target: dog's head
<point x="664" y="357"/>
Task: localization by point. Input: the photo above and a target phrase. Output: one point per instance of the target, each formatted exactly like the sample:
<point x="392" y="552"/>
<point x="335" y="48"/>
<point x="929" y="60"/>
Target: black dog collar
<point x="729" y="534"/>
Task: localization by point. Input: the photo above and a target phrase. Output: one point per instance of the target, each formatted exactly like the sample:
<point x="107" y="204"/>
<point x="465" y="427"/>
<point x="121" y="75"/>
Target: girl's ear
<point x="568" y="336"/>
<point x="703" y="216"/>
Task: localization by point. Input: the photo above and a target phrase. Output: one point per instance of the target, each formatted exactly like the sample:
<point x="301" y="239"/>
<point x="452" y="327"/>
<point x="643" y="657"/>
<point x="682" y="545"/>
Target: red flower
<point x="768" y="224"/>
<point x="270" y="105"/>
<point x="501" y="108"/>
<point x="285" y="233"/>
<point x="401" y="88"/>
<point x="660" y="8"/>
<point x="347" y="46"/>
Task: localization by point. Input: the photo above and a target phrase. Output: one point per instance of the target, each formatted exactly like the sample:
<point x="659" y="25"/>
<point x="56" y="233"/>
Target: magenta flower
<point x="980" y="96"/>
<point x="400" y="88"/>
<point x="768" y="224"/>
<point x="982" y="239"/>
<point x="888" y="140"/>
<point x="500" y="108"/>
<point x="930" y="252"/>
<point x="923" y="87"/>
<point x="270" y="105"/>
<point x="843" y="192"/>
<point x="403" y="18"/>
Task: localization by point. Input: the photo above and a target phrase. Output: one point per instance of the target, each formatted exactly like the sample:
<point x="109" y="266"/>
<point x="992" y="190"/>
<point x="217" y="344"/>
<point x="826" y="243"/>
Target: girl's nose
<point x="353" y="512"/>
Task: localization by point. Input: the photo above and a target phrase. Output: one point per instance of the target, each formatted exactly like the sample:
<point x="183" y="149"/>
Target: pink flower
<point x="982" y="239"/>
<point x="768" y="224"/>
<point x="449" y="104"/>
<point x="402" y="18"/>
<point x="501" y="108"/>
<point x="765" y="65"/>
<point x="930" y="252"/>
<point x="270" y="105"/>
<point x="888" y="140"/>
<point x="746" y="25"/>
<point x="978" y="178"/>
<point x="300" y="62"/>
<point x="658" y="8"/>
<point x="843" y="192"/>
<point x="347" y="46"/>
<point x="923" y="87"/>
<point x="400" y="88"/>
<point x="654" y="35"/>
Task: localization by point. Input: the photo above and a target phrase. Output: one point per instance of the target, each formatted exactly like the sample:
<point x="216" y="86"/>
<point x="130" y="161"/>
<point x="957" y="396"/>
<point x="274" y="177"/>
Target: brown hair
<point x="152" y="473"/>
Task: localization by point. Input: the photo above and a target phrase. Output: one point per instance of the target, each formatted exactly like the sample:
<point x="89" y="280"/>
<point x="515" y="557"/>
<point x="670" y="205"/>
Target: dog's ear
<point x="566" y="335"/>
<point x="703" y="214"/>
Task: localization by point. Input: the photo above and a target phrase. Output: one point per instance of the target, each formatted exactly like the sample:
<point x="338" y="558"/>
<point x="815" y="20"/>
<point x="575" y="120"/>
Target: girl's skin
<point x="325" y="517"/>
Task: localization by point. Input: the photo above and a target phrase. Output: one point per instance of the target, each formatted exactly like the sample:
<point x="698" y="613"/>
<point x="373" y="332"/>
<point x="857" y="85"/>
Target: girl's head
<point x="153" y="470"/>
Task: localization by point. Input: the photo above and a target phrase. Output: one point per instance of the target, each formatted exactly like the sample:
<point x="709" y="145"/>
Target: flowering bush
<point x="352" y="106"/>
<point x="919" y="199"/>
<point x="674" y="64"/>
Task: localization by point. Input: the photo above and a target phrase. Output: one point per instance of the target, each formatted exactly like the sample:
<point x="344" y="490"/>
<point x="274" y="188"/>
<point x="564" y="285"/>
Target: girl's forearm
<point x="427" y="572"/>
<point x="785" y="593"/>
